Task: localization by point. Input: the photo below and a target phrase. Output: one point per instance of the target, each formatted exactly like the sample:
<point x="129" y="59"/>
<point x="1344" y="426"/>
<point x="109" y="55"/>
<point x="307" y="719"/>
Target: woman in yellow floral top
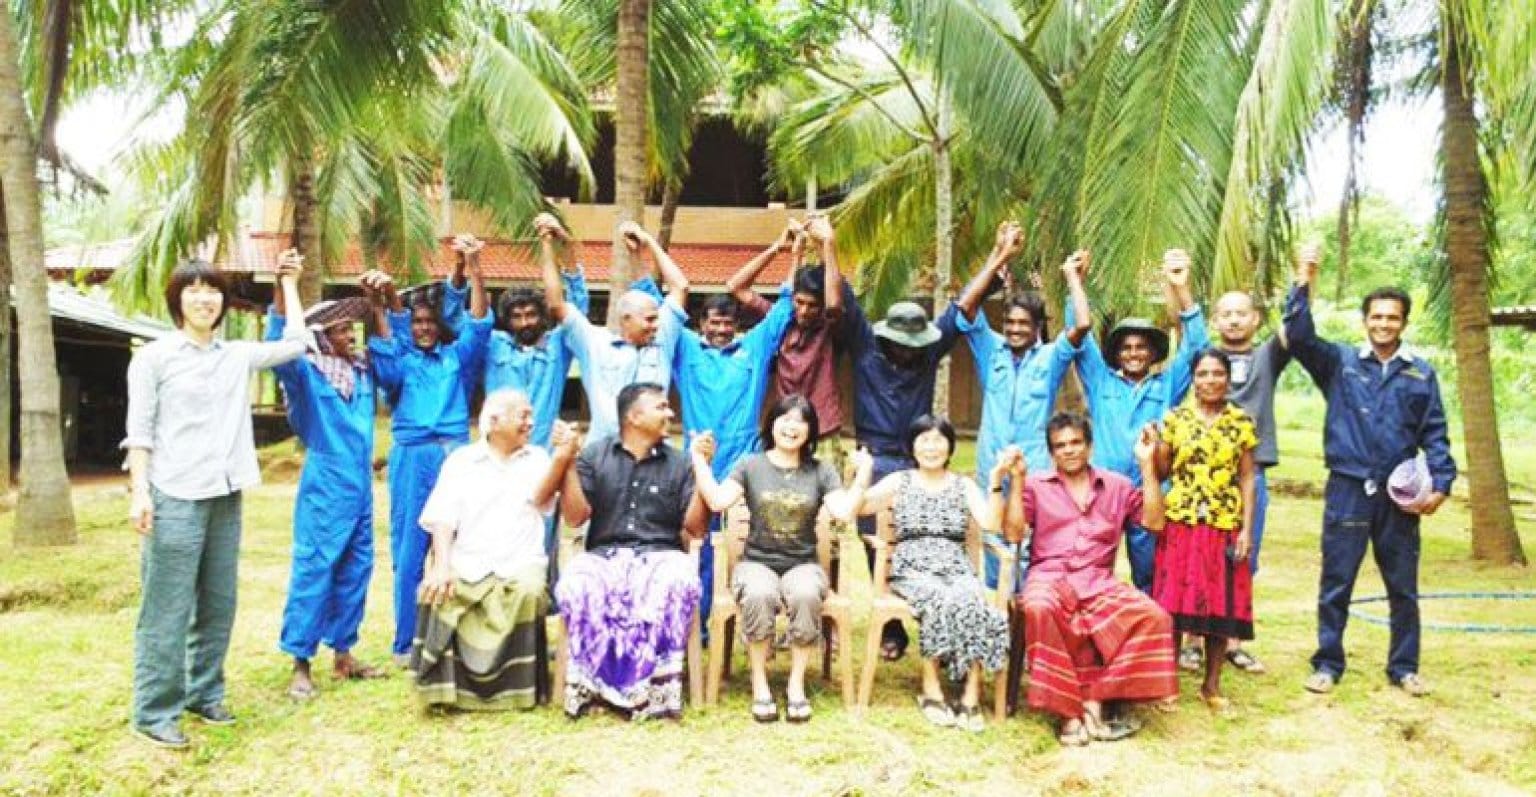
<point x="1201" y="575"/>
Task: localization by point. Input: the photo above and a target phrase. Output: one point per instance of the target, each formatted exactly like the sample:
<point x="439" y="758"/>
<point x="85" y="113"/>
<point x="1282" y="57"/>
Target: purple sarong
<point x="627" y="618"/>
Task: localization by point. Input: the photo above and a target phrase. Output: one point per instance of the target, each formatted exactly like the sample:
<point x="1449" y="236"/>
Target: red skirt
<point x="1206" y="591"/>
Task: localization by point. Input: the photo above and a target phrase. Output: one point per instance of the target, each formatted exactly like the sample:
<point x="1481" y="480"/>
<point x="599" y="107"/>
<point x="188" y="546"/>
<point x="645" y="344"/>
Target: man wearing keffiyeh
<point x="330" y="398"/>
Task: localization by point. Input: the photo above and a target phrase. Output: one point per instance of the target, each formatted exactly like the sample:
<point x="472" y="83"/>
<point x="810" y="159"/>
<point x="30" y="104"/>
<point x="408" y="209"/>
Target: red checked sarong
<point x="1115" y="646"/>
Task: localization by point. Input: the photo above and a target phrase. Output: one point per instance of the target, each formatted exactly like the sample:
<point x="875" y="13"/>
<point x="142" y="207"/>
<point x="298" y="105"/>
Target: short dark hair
<point x="928" y="422"/>
<point x="632" y="393"/>
<point x="189" y="273"/>
<point x="1067" y="420"/>
<point x="793" y="402"/>
<point x="1389" y="293"/>
<point x="721" y="304"/>
<point x="425" y="300"/>
<point x="1030" y="303"/>
<point x="513" y="298"/>
<point x="1211" y="352"/>
<point x="813" y="282"/>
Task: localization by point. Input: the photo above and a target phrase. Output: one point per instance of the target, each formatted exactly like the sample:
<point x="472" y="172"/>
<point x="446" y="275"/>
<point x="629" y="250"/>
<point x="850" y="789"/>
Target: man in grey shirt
<point x="1256" y="370"/>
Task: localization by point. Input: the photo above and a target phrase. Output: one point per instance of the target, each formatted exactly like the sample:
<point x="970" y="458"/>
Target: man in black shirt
<point x="628" y="601"/>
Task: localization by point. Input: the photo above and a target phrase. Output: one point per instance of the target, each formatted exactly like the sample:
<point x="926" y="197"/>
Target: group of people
<point x="473" y="526"/>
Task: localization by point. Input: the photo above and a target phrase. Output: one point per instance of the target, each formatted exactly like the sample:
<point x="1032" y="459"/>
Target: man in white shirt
<point x="484" y="596"/>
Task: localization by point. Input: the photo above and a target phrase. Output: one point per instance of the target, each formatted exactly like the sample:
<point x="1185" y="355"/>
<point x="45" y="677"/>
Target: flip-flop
<point x="765" y="710"/>
<point x="1245" y="661"/>
<point x="1073" y="737"/>
<point x="798" y="711"/>
<point x="359" y="672"/>
<point x="936" y="712"/>
<point x="302" y="693"/>
<point x="1110" y="730"/>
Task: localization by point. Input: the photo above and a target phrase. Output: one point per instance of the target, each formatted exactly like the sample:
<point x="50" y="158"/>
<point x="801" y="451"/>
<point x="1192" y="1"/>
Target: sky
<point x="1398" y="161"/>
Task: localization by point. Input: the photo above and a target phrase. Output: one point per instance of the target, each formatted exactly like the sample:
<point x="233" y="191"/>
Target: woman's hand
<point x="1242" y="544"/>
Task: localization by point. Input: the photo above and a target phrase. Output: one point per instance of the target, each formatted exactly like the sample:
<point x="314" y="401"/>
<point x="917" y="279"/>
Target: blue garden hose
<point x="1470" y="628"/>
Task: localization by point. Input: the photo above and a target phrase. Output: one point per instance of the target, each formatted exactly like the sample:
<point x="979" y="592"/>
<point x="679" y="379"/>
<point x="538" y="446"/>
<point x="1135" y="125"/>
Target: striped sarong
<point x="479" y="649"/>
<point x="627" y="619"/>
<point x="1117" y="645"/>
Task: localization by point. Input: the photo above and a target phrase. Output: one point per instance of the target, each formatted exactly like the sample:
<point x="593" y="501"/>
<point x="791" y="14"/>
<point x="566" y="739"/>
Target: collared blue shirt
<point x="431" y="387"/>
<point x="887" y="398"/>
<point x="609" y="363"/>
<point x="337" y="432"/>
<point x="540" y="370"/>
<point x="1379" y="414"/>
<point x="1018" y="393"/>
<point x="722" y="389"/>
<point x="1120" y="407"/>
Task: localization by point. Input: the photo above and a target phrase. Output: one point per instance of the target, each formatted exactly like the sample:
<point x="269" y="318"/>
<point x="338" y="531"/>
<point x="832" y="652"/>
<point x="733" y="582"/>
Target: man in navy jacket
<point x="1383" y="408"/>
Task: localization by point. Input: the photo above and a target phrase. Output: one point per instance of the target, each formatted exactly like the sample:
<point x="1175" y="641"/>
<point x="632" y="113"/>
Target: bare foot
<point x="301" y="686"/>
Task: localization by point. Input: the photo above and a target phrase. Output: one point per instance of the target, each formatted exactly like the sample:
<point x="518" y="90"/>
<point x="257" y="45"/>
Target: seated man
<point x="628" y="601"/>
<point x="484" y="598"/>
<point x="1090" y="638"/>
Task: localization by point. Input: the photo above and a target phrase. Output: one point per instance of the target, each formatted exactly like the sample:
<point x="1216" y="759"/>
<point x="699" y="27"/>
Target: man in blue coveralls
<point x="432" y="375"/>
<point x="722" y="378"/>
<point x="1019" y="370"/>
<point x="1124" y="395"/>
<point x="330" y="400"/>
<point x="1383" y="409"/>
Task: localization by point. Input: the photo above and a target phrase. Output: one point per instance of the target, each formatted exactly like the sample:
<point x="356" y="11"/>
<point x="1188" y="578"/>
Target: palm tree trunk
<point x="669" y="199"/>
<point x="306" y="231"/>
<point x="1357" y="92"/>
<point x="44" y="514"/>
<point x="629" y="137"/>
<point x="943" y="241"/>
<point x="1494" y="537"/>
<point x="6" y="361"/>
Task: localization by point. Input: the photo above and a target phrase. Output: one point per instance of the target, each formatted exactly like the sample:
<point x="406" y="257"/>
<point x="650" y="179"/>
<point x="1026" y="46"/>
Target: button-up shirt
<point x="722" y="388"/>
<point x="486" y="503"/>
<point x="1074" y="543"/>
<point x="609" y="363"/>
<point x="432" y="386"/>
<point x="1018" y="393"/>
<point x="1379" y="414"/>
<point x="539" y="370"/>
<point x="636" y="504"/>
<point x="190" y="406"/>
<point x="807" y="361"/>
<point x="887" y="398"/>
<point x="1120" y="407"/>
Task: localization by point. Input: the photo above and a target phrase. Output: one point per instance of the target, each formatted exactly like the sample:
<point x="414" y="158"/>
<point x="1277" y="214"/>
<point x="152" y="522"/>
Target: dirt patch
<point x="82" y="595"/>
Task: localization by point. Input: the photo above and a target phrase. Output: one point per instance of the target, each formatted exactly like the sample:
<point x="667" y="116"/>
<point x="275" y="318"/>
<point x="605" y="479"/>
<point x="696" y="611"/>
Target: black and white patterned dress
<point x="931" y="571"/>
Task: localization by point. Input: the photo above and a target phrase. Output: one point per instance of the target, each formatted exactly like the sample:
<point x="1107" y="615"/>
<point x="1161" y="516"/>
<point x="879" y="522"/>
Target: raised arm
<point x="1009" y="242"/>
<point x="1080" y="320"/>
<point x="574" y="506"/>
<point x="549" y="231"/>
<point x="1015" y="515"/>
<point x="469" y="248"/>
<point x="718" y="496"/>
<point x="988" y="508"/>
<point x="636" y="238"/>
<point x="564" y="444"/>
<point x="1316" y="355"/>
<point x="295" y="336"/>
<point x="739" y="285"/>
<point x="819" y="229"/>
<point x="844" y="504"/>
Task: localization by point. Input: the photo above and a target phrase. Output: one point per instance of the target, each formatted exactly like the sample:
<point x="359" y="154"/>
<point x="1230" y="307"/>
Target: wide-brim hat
<point x="329" y="313"/>
<point x="906" y="323"/>
<point x="1157" y="338"/>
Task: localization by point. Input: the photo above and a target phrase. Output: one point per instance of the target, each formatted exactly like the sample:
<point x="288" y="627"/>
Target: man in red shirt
<point x="1091" y="638"/>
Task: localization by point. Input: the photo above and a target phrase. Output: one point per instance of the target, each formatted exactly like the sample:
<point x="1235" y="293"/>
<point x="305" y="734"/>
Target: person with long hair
<point x="933" y="507"/>
<point x="1201" y="574"/>
<point x="784" y="488"/>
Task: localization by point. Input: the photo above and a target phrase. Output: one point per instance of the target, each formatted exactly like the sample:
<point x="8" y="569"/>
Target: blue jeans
<point x="188" y="566"/>
<point x="1351" y="521"/>
<point x="1260" y="510"/>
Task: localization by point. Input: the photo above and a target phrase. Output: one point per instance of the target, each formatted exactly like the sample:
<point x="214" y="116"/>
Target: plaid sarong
<point x="1117" y="645"/>
<point x="627" y="619"/>
<point x="478" y="650"/>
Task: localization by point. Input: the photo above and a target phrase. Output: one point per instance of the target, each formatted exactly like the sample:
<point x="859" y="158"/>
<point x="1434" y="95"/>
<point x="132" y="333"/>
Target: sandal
<point x="968" y="718"/>
<point x="1191" y="658"/>
<point x="1319" y="682"/>
<point x="302" y="692"/>
<point x="1245" y="661"/>
<point x="765" y="710"/>
<point x="1073" y="733"/>
<point x="936" y="712"/>
<point x="1110" y="730"/>
<point x="359" y="671"/>
<point x="798" y="711"/>
<point x="892" y="651"/>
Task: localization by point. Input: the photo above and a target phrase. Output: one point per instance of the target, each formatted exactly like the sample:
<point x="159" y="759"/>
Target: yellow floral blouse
<point x="1206" y="464"/>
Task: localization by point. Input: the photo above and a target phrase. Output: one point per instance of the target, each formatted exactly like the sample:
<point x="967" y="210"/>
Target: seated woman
<point x="1201" y="575"/>
<point x="784" y="488"/>
<point x="484" y="599"/>
<point x="933" y="508"/>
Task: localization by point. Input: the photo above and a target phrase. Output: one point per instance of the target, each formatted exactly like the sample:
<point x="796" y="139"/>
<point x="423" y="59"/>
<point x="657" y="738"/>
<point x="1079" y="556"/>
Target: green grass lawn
<point x="66" y="628"/>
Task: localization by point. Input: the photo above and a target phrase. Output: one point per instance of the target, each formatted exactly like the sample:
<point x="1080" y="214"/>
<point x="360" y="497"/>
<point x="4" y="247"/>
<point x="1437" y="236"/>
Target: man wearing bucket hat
<point x="1384" y="409"/>
<point x="330" y="398"/>
<point x="894" y="364"/>
<point x="1124" y="394"/>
